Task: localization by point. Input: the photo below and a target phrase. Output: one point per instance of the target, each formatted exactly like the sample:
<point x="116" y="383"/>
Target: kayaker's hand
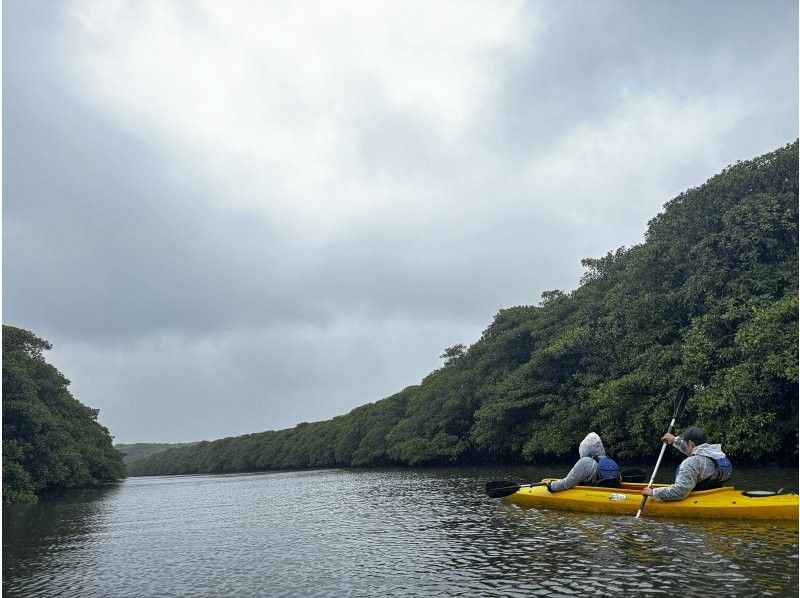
<point x="547" y="485"/>
<point x="668" y="438"/>
<point x="648" y="491"/>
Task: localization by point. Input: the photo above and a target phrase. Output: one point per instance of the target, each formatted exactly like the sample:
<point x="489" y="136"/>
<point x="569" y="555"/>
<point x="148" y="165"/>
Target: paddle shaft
<point x="502" y="488"/>
<point x="533" y="485"/>
<point x="655" y="470"/>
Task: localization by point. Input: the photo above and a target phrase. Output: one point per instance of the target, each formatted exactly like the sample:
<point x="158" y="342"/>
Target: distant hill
<point x="708" y="300"/>
<point x="140" y="450"/>
<point x="51" y="441"/>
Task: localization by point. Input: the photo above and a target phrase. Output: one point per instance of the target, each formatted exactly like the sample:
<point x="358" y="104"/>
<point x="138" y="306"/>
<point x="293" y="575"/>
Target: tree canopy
<point x="140" y="450"/>
<point x="50" y="440"/>
<point x="709" y="300"/>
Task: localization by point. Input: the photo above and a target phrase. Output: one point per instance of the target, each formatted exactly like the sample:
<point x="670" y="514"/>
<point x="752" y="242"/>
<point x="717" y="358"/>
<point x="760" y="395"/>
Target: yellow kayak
<point x="719" y="503"/>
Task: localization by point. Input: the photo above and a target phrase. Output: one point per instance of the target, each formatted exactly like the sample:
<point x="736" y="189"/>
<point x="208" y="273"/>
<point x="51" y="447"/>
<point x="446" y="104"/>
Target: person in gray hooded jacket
<point x="706" y="467"/>
<point x="592" y="468"/>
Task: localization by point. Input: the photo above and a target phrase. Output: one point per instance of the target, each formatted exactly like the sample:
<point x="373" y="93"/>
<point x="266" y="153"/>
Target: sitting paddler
<point x="706" y="466"/>
<point x="592" y="469"/>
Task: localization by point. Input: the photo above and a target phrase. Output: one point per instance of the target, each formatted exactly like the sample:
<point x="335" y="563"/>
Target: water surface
<point x="366" y="533"/>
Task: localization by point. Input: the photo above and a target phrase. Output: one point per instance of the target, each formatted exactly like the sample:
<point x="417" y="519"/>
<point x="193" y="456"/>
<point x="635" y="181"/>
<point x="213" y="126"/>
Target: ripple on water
<point x="333" y="533"/>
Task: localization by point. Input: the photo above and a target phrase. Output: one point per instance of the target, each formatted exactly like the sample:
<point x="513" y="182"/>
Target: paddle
<point x="501" y="488"/>
<point x="680" y="400"/>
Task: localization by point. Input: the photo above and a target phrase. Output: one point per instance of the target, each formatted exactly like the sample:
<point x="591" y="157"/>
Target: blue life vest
<point x="607" y="469"/>
<point x="724" y="469"/>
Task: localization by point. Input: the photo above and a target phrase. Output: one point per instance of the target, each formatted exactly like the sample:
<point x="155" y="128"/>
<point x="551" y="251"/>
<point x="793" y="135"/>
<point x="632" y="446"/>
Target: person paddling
<point x="592" y="469"/>
<point x="706" y="467"/>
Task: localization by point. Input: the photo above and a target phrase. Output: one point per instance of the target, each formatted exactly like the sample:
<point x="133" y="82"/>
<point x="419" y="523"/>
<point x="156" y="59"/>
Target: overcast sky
<point x="236" y="216"/>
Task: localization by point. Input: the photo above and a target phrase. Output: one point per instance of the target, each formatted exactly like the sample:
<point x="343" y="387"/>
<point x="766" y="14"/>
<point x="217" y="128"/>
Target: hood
<point x="592" y="446"/>
<point x="709" y="450"/>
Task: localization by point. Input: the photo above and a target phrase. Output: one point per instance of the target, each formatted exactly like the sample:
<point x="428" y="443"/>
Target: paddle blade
<point x="680" y="401"/>
<point x="501" y="488"/>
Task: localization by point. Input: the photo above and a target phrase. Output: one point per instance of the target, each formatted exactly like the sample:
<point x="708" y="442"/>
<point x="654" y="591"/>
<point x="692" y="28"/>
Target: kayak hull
<point x="719" y="503"/>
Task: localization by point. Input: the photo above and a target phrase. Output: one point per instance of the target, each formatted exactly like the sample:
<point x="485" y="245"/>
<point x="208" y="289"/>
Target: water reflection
<point x="362" y="533"/>
<point x="42" y="540"/>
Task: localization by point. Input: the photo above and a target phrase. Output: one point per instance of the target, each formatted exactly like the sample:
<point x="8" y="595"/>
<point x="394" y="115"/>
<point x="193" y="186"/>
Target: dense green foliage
<point x="50" y="440"/>
<point x="709" y="299"/>
<point x="140" y="450"/>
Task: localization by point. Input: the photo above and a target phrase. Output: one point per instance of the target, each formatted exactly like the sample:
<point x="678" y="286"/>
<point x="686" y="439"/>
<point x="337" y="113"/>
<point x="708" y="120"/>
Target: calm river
<point x="371" y="533"/>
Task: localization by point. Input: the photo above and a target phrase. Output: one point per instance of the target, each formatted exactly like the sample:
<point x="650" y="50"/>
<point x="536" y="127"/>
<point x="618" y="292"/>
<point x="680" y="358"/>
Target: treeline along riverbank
<point x="51" y="441"/>
<point x="709" y="299"/>
<point x="141" y="450"/>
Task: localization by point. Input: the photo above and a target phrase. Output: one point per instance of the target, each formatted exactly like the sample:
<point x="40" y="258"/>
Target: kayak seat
<point x="706" y="485"/>
<point x="608" y="483"/>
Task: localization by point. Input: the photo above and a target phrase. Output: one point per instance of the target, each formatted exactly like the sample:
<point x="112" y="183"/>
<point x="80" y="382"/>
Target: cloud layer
<point x="231" y="217"/>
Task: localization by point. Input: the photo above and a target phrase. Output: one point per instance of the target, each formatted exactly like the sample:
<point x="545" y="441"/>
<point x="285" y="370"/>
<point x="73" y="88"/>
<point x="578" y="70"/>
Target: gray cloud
<point x="183" y="315"/>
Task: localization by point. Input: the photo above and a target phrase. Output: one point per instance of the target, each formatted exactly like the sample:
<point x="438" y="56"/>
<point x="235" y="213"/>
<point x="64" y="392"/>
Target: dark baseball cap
<point x="696" y="435"/>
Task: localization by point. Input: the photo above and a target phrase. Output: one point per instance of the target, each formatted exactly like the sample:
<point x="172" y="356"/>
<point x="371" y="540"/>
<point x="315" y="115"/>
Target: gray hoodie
<point x="693" y="470"/>
<point x="586" y="467"/>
